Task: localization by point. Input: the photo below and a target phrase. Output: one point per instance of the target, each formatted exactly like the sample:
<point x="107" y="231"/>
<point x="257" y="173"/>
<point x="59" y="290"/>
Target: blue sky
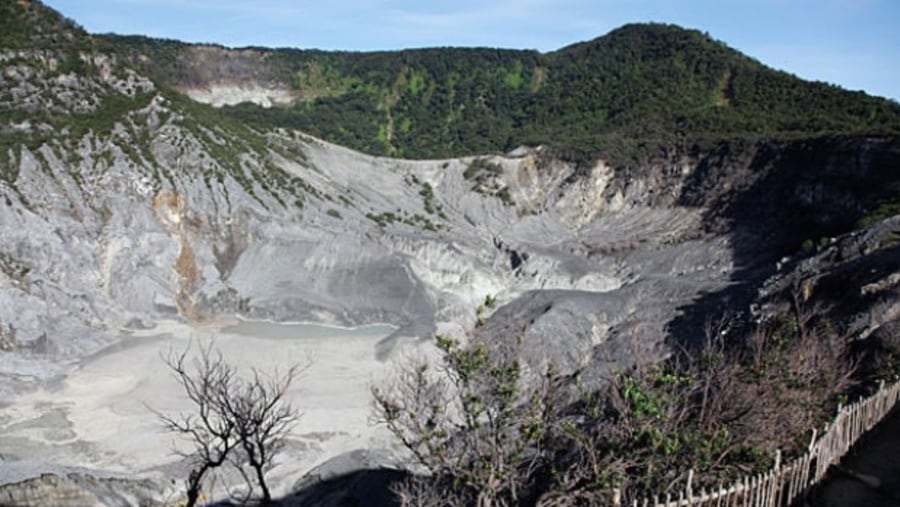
<point x="852" y="43"/>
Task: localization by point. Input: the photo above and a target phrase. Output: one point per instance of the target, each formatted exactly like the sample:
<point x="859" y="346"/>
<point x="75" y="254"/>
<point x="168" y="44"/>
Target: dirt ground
<point x="870" y="475"/>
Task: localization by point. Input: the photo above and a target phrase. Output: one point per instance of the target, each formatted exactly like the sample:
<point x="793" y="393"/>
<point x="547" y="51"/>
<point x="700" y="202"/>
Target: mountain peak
<point x="646" y="33"/>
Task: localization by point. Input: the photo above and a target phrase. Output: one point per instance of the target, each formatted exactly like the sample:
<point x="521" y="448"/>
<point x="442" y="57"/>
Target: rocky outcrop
<point x="786" y="192"/>
<point x="362" y="477"/>
<point x="221" y="77"/>
<point x="80" y="489"/>
<point x="852" y="280"/>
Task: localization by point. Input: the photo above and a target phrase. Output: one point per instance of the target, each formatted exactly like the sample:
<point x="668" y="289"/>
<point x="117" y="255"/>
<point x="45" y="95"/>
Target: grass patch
<point x="885" y="209"/>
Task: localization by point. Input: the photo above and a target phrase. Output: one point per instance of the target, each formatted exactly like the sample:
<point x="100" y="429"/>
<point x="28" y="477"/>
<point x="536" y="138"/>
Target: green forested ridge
<point x="632" y="93"/>
<point x="624" y="96"/>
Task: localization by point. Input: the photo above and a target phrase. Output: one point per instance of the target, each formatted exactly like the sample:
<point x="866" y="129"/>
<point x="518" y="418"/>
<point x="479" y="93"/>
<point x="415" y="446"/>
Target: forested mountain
<point x="634" y="92"/>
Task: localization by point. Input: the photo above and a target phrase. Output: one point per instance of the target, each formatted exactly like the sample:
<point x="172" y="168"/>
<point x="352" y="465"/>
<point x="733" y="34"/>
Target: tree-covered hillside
<point x="638" y="91"/>
<point x="29" y="25"/>
<point x="625" y="95"/>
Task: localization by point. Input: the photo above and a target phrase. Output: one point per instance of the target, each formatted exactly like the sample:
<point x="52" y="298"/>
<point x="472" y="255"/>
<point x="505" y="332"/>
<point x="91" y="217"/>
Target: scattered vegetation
<point x="485" y="178"/>
<point x="505" y="198"/>
<point x="382" y="219"/>
<point x="113" y="108"/>
<point x="422" y="222"/>
<point x="483" y="437"/>
<point x="428" y="201"/>
<point x="489" y="303"/>
<point x="885" y="209"/>
<point x="13" y="268"/>
<point x="481" y="169"/>
<point x="416" y="220"/>
<point x="427" y="194"/>
<point x="490" y="432"/>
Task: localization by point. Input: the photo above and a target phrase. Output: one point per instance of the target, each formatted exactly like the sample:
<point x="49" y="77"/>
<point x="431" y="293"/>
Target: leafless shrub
<point x="262" y="419"/>
<point x="714" y="413"/>
<point x="800" y="365"/>
<point x="486" y="437"/>
<point x="724" y="409"/>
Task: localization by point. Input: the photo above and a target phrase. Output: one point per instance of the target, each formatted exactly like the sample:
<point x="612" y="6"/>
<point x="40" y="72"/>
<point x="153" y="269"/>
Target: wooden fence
<point x="786" y="482"/>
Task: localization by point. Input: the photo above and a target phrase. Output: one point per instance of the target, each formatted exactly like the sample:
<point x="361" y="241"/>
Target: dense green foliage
<point x="629" y="94"/>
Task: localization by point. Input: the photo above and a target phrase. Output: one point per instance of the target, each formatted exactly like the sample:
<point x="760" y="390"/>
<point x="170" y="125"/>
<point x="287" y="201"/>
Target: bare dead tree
<point x="262" y="418"/>
<point x="211" y="433"/>
<point x="243" y="421"/>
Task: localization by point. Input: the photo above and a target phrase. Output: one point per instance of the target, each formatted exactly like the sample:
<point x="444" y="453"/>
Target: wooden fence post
<point x="785" y="482"/>
<point x="690" y="481"/>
